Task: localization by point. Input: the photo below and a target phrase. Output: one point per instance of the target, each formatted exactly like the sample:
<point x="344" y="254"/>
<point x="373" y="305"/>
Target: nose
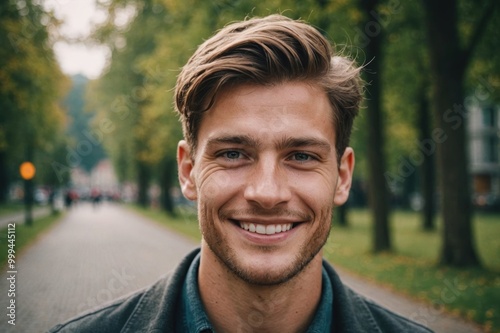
<point x="267" y="185"/>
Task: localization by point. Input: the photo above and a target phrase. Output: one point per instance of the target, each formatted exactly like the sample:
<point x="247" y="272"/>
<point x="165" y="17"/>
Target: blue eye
<point x="301" y="157"/>
<point x="231" y="158"/>
<point x="232" y="154"/>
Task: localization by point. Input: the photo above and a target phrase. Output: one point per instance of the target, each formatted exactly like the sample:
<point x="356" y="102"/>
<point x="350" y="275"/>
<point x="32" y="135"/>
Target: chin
<point x="268" y="271"/>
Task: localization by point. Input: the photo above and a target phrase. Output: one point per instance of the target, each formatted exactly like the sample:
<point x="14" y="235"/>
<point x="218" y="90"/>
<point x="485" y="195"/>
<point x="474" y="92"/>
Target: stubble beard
<point x="229" y="258"/>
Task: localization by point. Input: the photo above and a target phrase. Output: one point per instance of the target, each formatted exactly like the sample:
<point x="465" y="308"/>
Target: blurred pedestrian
<point x="95" y="197"/>
<point x="68" y="199"/>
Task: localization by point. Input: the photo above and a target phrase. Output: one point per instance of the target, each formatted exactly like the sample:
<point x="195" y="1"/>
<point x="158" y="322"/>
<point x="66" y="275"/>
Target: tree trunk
<point x="427" y="172"/>
<point x="28" y="202"/>
<point x="342" y="215"/>
<point x="448" y="68"/>
<point x="142" y="184"/>
<point x="29" y="185"/>
<point x="167" y="176"/>
<point x="378" y="192"/>
<point x="4" y="178"/>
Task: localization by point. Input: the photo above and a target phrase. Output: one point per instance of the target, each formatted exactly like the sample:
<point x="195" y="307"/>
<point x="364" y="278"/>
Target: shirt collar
<point x="195" y="319"/>
<point x="322" y="321"/>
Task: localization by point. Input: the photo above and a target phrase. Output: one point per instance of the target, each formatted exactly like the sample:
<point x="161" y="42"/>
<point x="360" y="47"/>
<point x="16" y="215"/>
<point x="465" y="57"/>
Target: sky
<point x="79" y="17"/>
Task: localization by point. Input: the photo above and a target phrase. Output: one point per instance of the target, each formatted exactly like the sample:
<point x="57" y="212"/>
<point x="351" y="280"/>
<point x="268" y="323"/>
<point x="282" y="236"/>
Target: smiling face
<point x="266" y="177"/>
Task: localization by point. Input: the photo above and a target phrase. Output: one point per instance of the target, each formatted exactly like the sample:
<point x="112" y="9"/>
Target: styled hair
<point x="267" y="51"/>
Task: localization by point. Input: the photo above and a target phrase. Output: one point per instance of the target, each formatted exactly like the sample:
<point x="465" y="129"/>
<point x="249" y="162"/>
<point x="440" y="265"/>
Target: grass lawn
<point x="185" y="222"/>
<point x="25" y="235"/>
<point x="11" y="208"/>
<point x="412" y="269"/>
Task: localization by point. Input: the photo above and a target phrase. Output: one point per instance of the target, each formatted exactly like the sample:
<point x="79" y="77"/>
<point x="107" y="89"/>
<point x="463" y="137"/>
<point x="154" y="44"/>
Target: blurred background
<point x="86" y="93"/>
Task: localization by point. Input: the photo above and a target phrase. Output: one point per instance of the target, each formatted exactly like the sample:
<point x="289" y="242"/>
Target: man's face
<point x="266" y="178"/>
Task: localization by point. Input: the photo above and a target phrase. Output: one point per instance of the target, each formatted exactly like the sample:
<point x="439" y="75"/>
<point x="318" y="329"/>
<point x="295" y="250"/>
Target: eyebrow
<point x="286" y="143"/>
<point x="243" y="140"/>
<point x="289" y="143"/>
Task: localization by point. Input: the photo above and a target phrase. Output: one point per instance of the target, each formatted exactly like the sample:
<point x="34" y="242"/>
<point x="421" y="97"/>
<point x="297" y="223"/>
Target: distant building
<point x="484" y="150"/>
<point x="79" y="178"/>
<point x="103" y="177"/>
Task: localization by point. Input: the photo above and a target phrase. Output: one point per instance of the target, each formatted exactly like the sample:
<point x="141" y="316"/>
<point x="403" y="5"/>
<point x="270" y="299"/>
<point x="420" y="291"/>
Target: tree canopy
<point x="31" y="88"/>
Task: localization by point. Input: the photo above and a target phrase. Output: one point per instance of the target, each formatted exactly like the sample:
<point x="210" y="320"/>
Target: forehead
<point x="270" y="112"/>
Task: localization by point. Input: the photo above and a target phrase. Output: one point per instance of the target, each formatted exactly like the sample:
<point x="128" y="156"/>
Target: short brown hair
<point x="267" y="51"/>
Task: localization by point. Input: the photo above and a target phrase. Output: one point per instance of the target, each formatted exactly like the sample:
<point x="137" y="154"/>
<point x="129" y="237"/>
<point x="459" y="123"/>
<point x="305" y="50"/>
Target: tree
<point x="409" y="122"/>
<point x="32" y="84"/>
<point x="123" y="95"/>
<point x="427" y="173"/>
<point x="449" y="62"/>
<point x="378" y="189"/>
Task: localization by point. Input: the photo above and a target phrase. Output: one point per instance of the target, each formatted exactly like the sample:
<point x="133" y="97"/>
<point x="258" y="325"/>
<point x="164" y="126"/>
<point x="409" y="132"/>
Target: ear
<point x="185" y="165"/>
<point x="344" y="181"/>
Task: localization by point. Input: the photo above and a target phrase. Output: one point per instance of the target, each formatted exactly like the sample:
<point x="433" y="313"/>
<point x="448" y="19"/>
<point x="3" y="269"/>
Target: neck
<point x="235" y="305"/>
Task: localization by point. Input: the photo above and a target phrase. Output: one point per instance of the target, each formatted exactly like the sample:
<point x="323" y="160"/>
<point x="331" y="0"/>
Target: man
<point x="267" y="112"/>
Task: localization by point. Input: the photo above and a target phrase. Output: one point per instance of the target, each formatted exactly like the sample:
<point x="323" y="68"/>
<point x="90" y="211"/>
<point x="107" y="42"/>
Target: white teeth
<point x="263" y="229"/>
<point x="260" y="229"/>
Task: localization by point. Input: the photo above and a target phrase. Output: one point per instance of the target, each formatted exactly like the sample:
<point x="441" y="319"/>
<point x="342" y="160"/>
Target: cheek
<point x="215" y="186"/>
<point x="215" y="189"/>
<point x="315" y="189"/>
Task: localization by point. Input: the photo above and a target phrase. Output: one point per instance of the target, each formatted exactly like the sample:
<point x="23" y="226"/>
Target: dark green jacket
<point x="153" y="310"/>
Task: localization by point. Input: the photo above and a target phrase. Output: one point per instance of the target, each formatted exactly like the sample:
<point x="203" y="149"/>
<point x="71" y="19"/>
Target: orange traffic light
<point x="27" y="170"/>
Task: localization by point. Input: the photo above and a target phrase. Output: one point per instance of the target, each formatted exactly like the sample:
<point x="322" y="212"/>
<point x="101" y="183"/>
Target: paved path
<point x="95" y="255"/>
<point x="422" y="313"/>
<point x="91" y="257"/>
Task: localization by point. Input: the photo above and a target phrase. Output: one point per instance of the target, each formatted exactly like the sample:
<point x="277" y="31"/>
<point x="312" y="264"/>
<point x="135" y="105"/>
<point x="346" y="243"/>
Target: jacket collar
<point x="157" y="308"/>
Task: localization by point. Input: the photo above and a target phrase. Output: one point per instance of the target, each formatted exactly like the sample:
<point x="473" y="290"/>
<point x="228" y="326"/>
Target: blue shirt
<point x="195" y="320"/>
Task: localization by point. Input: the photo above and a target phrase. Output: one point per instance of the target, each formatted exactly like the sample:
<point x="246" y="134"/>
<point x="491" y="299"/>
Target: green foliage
<point x="483" y="78"/>
<point x="32" y="84"/>
<point x="124" y="94"/>
<point x="10" y="208"/>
